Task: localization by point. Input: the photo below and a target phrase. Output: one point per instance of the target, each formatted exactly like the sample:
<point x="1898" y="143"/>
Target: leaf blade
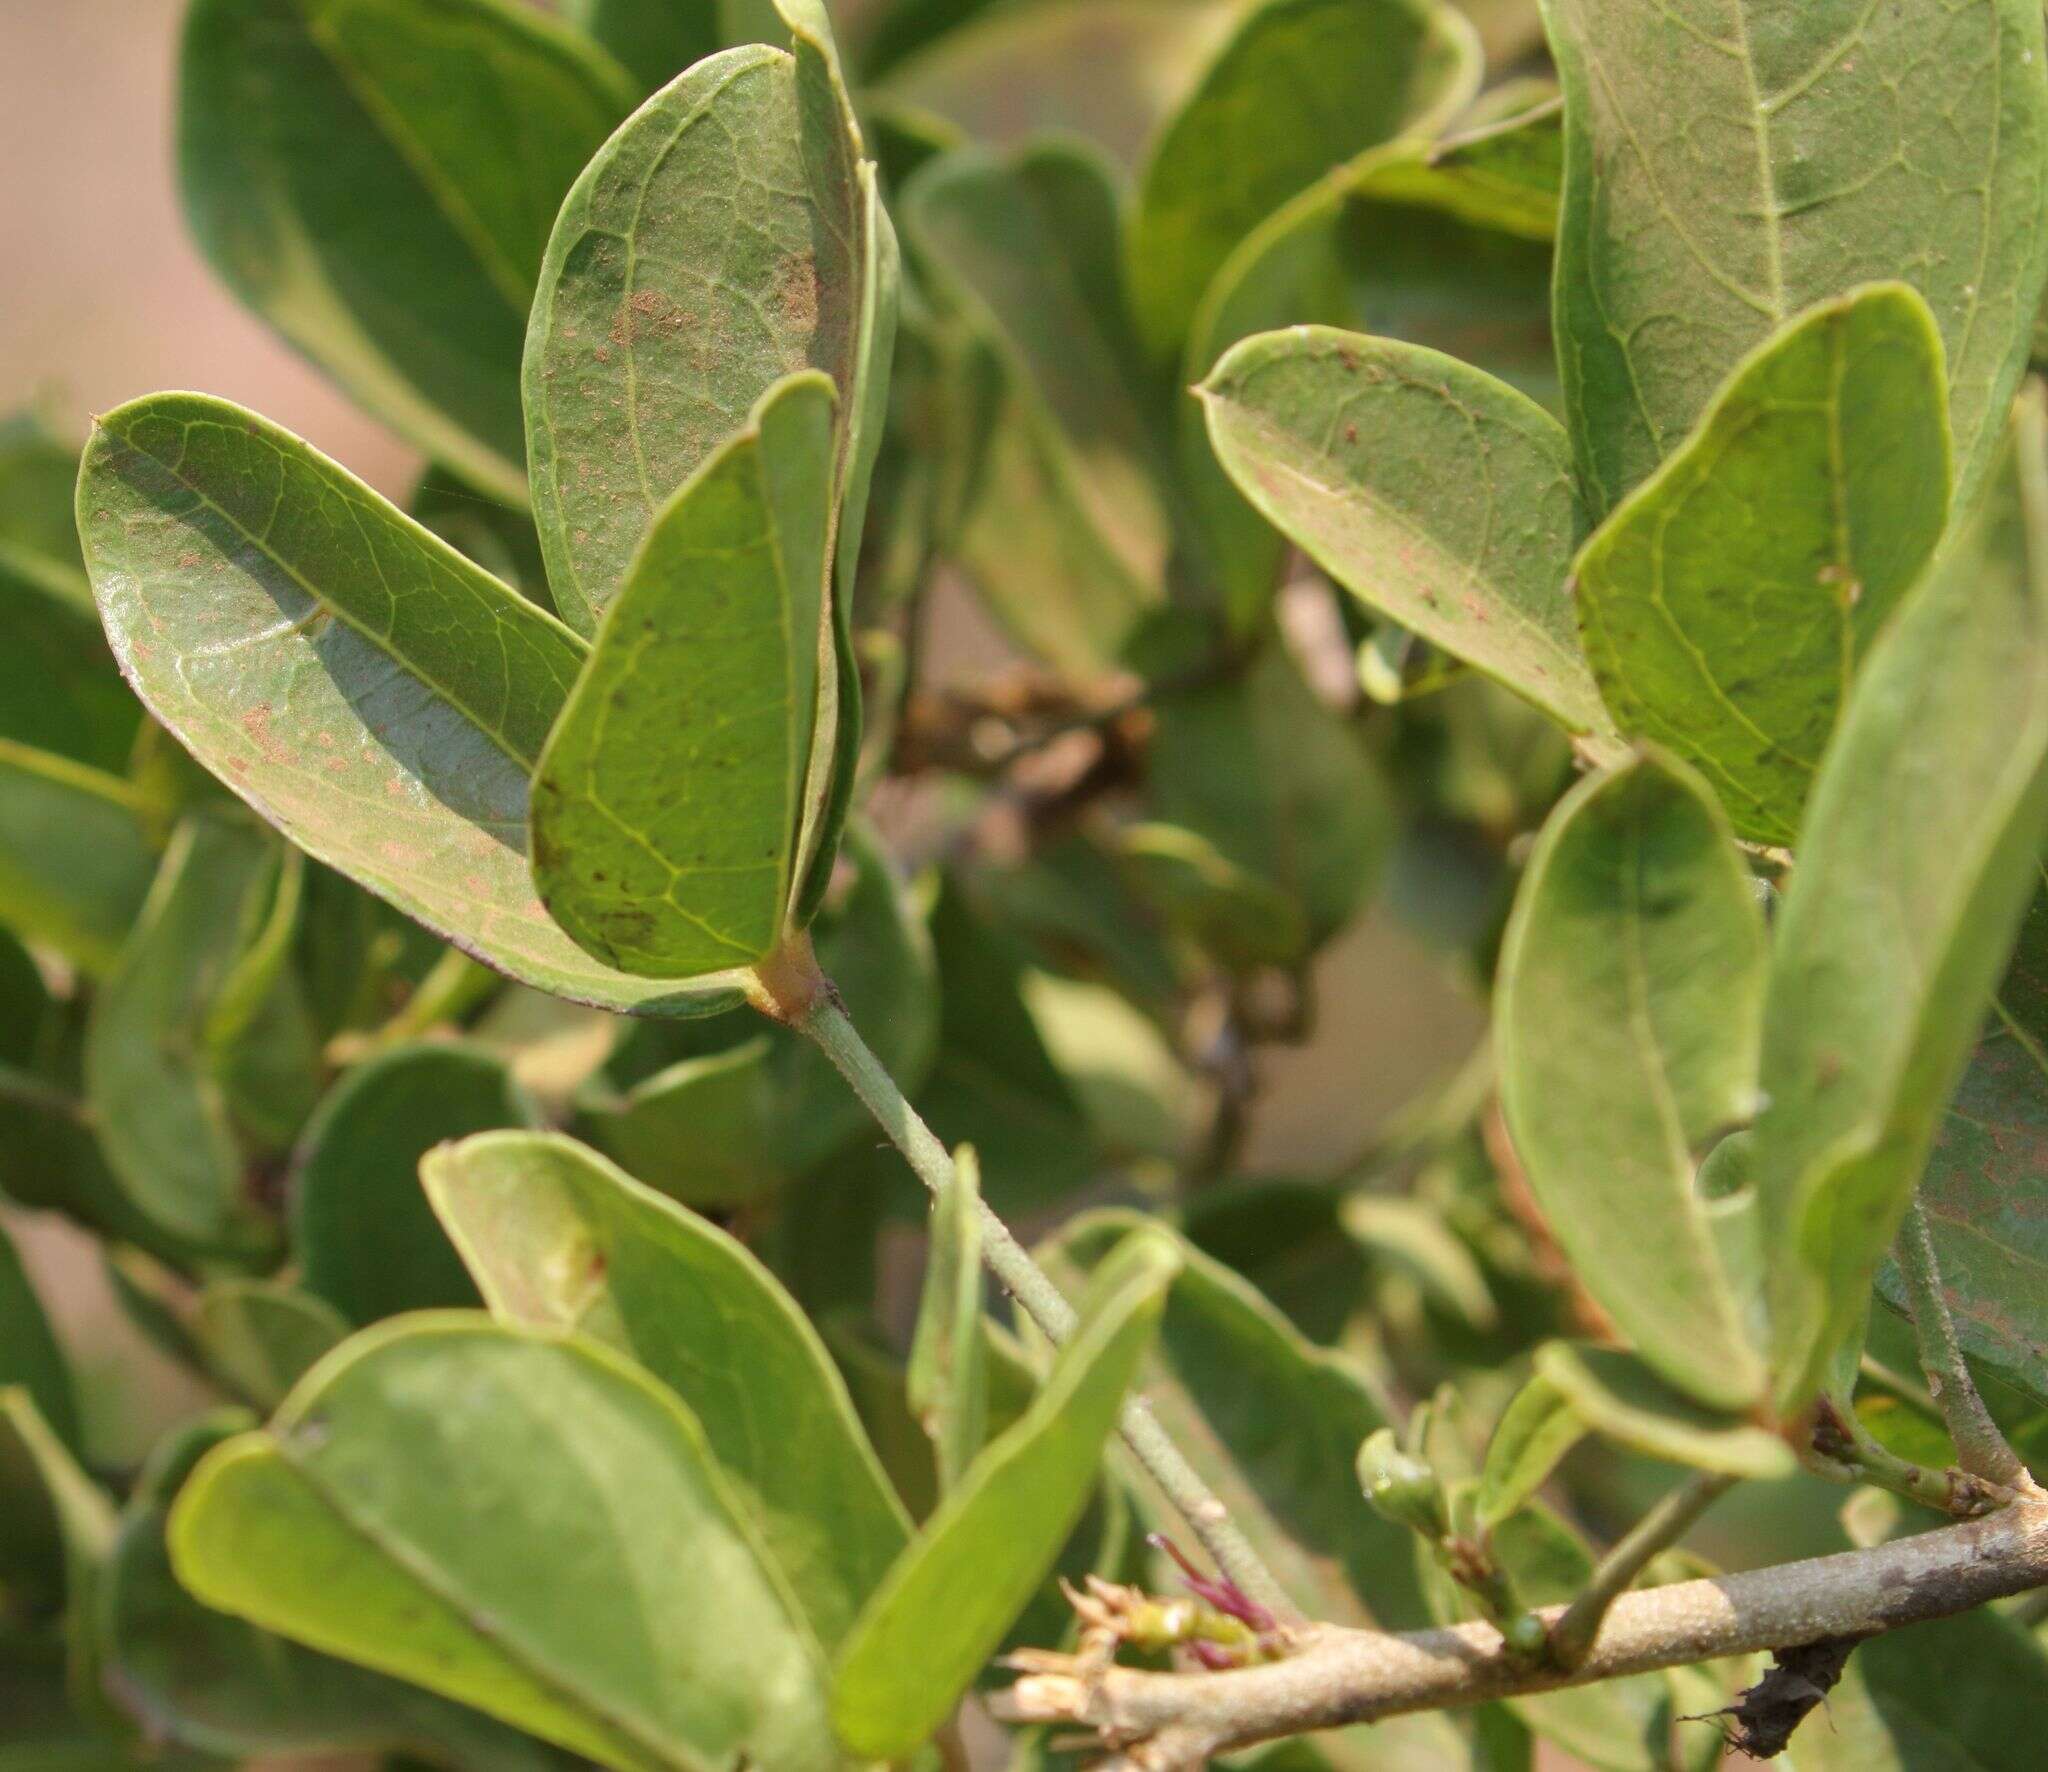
<point x="1628" y="1014"/>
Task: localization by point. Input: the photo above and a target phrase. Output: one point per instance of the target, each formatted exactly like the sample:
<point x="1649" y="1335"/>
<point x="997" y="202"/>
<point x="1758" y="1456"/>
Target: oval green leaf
<point x="666" y="807"/>
<point x="156" y="1098"/>
<point x="1428" y="489"/>
<point x="1727" y="603"/>
<point x="1731" y="162"/>
<point x="522" y="1523"/>
<point x="365" y="1237"/>
<point x="1300" y="86"/>
<point x="1921" y="850"/>
<point x="376" y="179"/>
<point x="557" y="1238"/>
<point x="1627" y="1013"/>
<point x="369" y="691"/>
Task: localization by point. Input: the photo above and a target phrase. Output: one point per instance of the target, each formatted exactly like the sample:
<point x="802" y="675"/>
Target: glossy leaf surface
<point x="557" y="1238"/>
<point x="1628" y="1012"/>
<point x="1726" y="604"/>
<point x="448" y="1468"/>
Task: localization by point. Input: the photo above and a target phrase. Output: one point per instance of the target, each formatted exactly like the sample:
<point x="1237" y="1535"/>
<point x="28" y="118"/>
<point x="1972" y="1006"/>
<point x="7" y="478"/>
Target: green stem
<point x="1980" y="1448"/>
<point x="1571" y="1637"/>
<point x="823" y="1020"/>
<point x="1846" y="1451"/>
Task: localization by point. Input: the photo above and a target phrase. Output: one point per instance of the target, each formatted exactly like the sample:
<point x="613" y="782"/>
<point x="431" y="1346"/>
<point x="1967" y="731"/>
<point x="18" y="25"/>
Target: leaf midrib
<point x="354" y="623"/>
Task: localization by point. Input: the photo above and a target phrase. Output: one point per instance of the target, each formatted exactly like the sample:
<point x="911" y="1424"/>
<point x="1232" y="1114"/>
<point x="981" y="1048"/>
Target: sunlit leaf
<point x="523" y="1523"/>
<point x="1728" y="601"/>
<point x="995" y="1536"/>
<point x="557" y="1238"/>
<point x="369" y="691"/>
<point x="1428" y="489"/>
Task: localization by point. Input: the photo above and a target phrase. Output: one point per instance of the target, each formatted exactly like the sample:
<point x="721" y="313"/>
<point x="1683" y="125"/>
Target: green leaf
<point x="365" y="1237"/>
<point x="59" y="690"/>
<point x="697" y="1130"/>
<point x="1065" y="539"/>
<point x="497" y="536"/>
<point x="1108" y="71"/>
<point x="457" y="125"/>
<point x="1729" y="165"/>
<point x="996" y="1535"/>
<point x="194" y="1675"/>
<point x="673" y="1093"/>
<point x="1272" y="1424"/>
<point x="260" y="1337"/>
<point x="154" y="1094"/>
<point x="665" y="818"/>
<point x="75" y="855"/>
<point x="1301" y="85"/>
<point x="1538" y="1427"/>
<point x="1445" y="245"/>
<point x="1279" y="783"/>
<point x="1627" y="1014"/>
<point x="523" y="1523"/>
<point x="85" y="1522"/>
<point x="948" y="1379"/>
<point x="993" y="1083"/>
<point x="1235" y="916"/>
<point x="259" y="1037"/>
<point x="1816" y="485"/>
<point x="1986" y="1197"/>
<point x="1429" y="490"/>
<point x="31" y="1570"/>
<point x="370" y="692"/>
<point x="659" y="327"/>
<point x="558" y="1239"/>
<point x="654" y="40"/>
<point x="1619" y="1397"/>
<point x="29" y="1354"/>
<point x="1921" y="850"/>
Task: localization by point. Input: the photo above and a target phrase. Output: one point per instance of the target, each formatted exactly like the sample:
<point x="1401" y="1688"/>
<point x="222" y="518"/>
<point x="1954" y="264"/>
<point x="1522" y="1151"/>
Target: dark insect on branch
<point x="1766" y="1714"/>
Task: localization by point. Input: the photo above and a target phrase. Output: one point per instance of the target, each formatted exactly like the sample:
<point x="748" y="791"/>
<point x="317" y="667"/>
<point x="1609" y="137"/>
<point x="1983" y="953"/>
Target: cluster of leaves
<point x="1657" y="420"/>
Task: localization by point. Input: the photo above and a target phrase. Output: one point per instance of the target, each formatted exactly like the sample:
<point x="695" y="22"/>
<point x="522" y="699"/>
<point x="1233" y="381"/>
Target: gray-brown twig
<point x="1174" y="1722"/>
